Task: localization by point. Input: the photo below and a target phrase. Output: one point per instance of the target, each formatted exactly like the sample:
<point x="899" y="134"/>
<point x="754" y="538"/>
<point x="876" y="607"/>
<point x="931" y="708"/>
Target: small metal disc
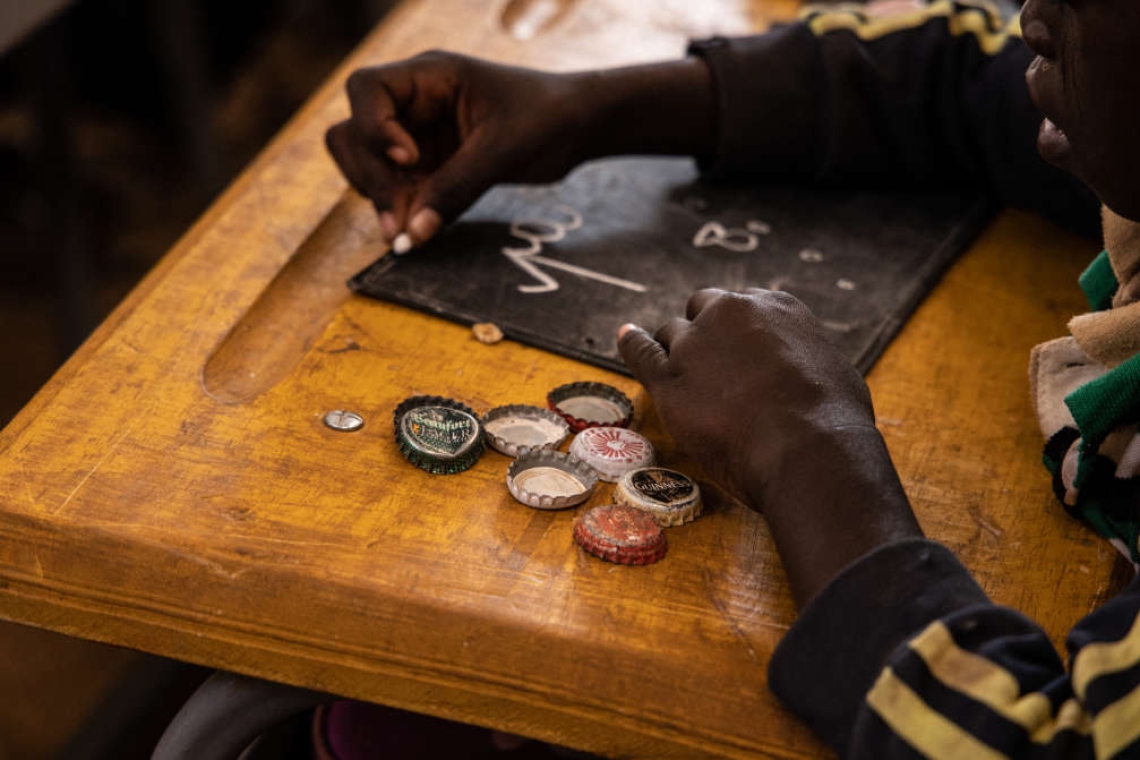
<point x="613" y="451"/>
<point x="344" y="421"/>
<point x="673" y="498"/>
<point x="515" y="429"/>
<point x="546" y="479"/>
<point x="585" y="405"/>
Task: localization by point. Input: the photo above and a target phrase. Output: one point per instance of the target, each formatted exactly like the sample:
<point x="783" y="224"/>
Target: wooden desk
<point x="173" y="489"/>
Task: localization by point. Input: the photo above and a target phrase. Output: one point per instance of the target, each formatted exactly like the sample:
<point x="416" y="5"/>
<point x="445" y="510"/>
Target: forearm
<point x="664" y="108"/>
<point x="930" y="99"/>
<point x="833" y="498"/>
<point x="904" y="640"/>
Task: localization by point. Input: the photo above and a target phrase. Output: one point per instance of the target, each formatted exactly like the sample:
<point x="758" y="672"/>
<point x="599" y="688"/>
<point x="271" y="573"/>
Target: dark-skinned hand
<point x="750" y="387"/>
<point x="746" y="380"/>
<point x="428" y="135"/>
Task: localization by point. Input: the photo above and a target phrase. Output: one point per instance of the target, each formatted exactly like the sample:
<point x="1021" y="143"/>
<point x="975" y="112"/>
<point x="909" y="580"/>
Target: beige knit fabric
<point x="1112" y="336"/>
<point x="1056" y="369"/>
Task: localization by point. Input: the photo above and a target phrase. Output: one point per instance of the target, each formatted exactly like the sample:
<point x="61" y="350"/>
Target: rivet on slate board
<point x="344" y="421"/>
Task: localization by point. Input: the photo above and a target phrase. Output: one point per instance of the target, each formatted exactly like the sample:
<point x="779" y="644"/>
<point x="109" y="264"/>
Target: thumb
<point x="644" y="356"/>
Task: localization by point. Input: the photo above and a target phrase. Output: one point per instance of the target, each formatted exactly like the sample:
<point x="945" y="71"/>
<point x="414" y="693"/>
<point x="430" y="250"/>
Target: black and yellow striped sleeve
<point x="931" y="98"/>
<point x="902" y="656"/>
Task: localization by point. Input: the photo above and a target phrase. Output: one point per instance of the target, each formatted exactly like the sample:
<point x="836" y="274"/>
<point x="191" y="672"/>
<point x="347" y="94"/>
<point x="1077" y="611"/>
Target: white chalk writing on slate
<point x="539" y="231"/>
<point x="738" y="239"/>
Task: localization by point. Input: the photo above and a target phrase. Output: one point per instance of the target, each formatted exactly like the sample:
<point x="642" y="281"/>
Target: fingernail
<point x="424" y="224"/>
<point x="388" y="225"/>
<point x="625" y="329"/>
<point x="400" y="154"/>
<point x="402" y="244"/>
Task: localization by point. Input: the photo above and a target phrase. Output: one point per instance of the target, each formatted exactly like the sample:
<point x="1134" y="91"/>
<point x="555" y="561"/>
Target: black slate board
<point x="861" y="261"/>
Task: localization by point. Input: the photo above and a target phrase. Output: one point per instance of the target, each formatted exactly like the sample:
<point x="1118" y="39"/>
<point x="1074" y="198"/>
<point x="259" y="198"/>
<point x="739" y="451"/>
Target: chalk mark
<point x="733" y="239"/>
<point x="528" y="259"/>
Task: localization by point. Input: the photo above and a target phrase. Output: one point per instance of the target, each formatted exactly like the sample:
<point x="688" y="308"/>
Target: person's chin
<point x="1054" y="145"/>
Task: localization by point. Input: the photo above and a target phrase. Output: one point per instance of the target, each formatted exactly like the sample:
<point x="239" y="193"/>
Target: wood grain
<point x="172" y="489"/>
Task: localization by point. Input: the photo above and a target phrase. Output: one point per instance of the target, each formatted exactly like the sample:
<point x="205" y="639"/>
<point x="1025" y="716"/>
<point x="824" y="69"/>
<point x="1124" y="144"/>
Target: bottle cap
<point x="438" y="434"/>
<point x="613" y="451"/>
<point x="671" y="497"/>
<point x="622" y="534"/>
<point x="514" y="429"/>
<point x="585" y="405"/>
<point x="546" y="479"/>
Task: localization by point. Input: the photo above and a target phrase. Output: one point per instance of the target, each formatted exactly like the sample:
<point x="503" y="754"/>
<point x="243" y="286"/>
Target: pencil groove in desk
<point x="289" y="315"/>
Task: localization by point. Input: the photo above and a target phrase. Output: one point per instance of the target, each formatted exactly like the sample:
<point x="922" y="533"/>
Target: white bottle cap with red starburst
<point x="613" y="451"/>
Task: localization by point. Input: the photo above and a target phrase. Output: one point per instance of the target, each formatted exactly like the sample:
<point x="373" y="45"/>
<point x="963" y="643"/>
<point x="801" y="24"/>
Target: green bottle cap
<point x="438" y="434"/>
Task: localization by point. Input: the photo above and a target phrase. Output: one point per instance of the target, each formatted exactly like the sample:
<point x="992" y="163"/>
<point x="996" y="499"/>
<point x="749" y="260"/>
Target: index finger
<point x="376" y="96"/>
<point x="646" y="358"/>
<point x="701" y="299"/>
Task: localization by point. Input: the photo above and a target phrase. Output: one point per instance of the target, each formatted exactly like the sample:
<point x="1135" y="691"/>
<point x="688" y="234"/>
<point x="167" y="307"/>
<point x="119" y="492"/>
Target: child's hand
<point x="752" y="389"/>
<point x="428" y="135"/>
<point x="745" y="381"/>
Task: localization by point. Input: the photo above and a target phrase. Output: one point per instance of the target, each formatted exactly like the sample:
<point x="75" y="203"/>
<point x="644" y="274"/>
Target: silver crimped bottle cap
<point x="613" y="451"/>
<point x="515" y="429"/>
<point x="673" y="498"/>
<point x="546" y="479"/>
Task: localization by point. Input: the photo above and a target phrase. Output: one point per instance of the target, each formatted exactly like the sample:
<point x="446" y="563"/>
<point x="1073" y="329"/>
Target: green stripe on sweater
<point x="1100" y="405"/>
<point x="1099" y="283"/>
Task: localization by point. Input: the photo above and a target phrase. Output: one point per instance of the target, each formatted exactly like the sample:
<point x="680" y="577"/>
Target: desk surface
<point x="172" y="489"/>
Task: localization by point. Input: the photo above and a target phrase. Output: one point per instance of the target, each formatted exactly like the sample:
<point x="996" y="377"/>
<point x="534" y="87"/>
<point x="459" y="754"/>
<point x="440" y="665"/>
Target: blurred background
<point x="119" y="121"/>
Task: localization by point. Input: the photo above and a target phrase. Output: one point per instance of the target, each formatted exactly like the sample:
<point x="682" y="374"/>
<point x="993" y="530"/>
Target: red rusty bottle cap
<point x="622" y="534"/>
